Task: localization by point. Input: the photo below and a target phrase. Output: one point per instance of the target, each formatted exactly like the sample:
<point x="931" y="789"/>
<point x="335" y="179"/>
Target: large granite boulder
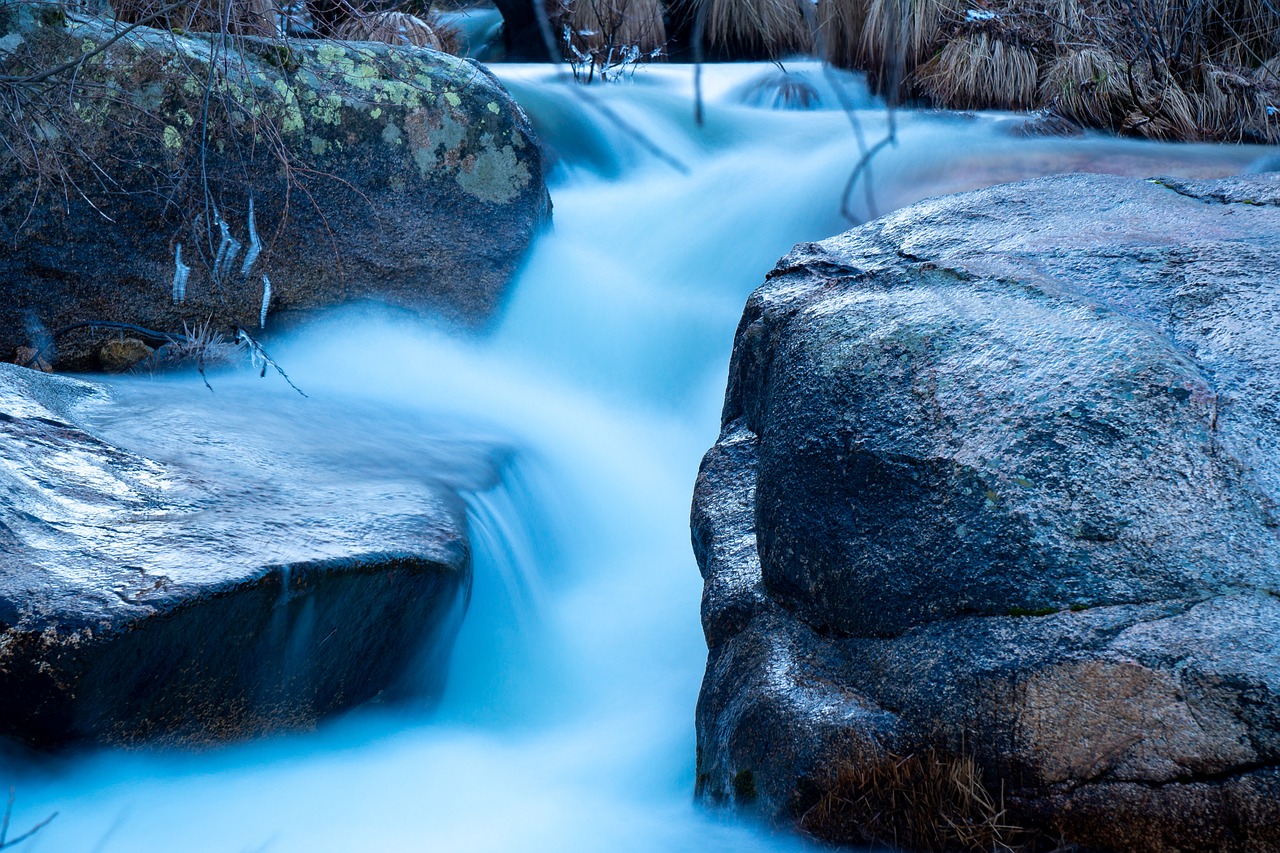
<point x="230" y="582"/>
<point x="997" y="483"/>
<point x="365" y="171"/>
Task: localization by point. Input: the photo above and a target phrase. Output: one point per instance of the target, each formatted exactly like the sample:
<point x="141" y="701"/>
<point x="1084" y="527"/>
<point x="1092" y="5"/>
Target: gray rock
<point x="998" y="476"/>
<point x="392" y="174"/>
<point x="225" y="583"/>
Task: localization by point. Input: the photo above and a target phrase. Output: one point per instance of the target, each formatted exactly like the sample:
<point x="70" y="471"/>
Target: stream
<point x="567" y="720"/>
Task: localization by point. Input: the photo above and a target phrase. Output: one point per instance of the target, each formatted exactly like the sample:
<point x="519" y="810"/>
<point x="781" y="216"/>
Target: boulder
<point x="364" y="172"/>
<point x="228" y="583"/>
<point x="996" y="487"/>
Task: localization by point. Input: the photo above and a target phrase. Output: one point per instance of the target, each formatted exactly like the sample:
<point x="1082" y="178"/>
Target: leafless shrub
<point x="607" y="37"/>
<point x="239" y="17"/>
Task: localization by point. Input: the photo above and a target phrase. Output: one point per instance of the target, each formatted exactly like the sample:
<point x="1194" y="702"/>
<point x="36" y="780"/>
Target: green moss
<point x="51" y="16"/>
<point x="1078" y="608"/>
<point x="744" y="786"/>
<point x="280" y="56"/>
<point x="1033" y="611"/>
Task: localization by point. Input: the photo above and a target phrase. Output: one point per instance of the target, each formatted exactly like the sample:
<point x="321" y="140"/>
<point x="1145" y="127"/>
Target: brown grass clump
<point x="1088" y="86"/>
<point x="398" y="28"/>
<point x="840" y="27"/>
<point x="1163" y="69"/>
<point x="776" y="26"/>
<point x="977" y="72"/>
<point x="923" y="801"/>
<point x="903" y="30"/>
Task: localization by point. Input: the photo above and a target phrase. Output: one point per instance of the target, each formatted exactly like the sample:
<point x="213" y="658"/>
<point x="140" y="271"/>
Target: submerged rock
<point x="231" y="585"/>
<point x="998" y="481"/>
<point x="177" y="174"/>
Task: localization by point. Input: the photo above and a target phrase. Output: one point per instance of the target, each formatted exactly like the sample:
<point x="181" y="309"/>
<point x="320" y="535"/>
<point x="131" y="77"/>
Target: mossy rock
<point x="395" y="174"/>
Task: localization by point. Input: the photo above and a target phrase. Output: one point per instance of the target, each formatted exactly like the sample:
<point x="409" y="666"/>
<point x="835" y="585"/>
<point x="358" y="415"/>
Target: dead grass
<point x="902" y="33"/>
<point x="840" y="27"/>
<point x="977" y="72"/>
<point x="1087" y="86"/>
<point x="399" y="28"/>
<point x="200" y="345"/>
<point x="776" y="26"/>
<point x="922" y="801"/>
<point x="1164" y="69"/>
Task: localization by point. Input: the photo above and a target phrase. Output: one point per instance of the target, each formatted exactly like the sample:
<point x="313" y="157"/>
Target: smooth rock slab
<point x="998" y="475"/>
<point x="229" y="584"/>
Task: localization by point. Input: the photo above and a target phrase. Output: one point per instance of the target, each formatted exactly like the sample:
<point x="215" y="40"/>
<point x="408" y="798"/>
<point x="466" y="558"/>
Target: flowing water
<point x="567" y="722"/>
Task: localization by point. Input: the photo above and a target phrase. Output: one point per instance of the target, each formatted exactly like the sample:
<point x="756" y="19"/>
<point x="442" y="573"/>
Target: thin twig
<point x="18" y="80"/>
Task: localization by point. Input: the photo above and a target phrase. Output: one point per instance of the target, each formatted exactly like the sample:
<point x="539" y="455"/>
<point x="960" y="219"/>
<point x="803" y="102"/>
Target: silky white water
<point x="567" y="723"/>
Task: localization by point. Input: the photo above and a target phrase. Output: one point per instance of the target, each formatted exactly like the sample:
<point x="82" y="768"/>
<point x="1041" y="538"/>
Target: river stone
<point x="998" y="477"/>
<point x="229" y="586"/>
<point x="393" y="174"/>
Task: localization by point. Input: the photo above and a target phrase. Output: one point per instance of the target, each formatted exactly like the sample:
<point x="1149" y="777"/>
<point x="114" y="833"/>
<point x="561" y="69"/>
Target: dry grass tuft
<point x="777" y="26"/>
<point x="1164" y="69"/>
<point x="1268" y="73"/>
<point x="977" y="72"/>
<point x="922" y="801"/>
<point x="840" y="27"/>
<point x="898" y="35"/>
<point x="200" y="345"/>
<point x="1088" y="86"/>
<point x="399" y="28"/>
<point x="450" y="37"/>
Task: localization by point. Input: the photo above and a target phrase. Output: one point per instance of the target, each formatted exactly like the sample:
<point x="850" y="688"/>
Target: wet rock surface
<point x="223" y="583"/>
<point x="365" y="172"/>
<point x="998" y="477"/>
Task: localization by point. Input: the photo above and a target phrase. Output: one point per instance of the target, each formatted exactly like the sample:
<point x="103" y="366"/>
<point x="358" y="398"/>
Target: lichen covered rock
<point x="366" y="172"/>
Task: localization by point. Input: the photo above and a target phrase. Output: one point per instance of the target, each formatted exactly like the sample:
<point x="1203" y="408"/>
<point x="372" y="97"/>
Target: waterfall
<point x="567" y="721"/>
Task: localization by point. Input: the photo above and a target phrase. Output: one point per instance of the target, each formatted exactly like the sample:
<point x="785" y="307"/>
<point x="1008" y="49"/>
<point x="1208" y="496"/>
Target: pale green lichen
<point x="450" y="134"/>
<point x="426" y="161"/>
<point x="498" y="175"/>
<point x="172" y="138"/>
<point x="376" y="112"/>
<point x="492" y="107"/>
<point x="328" y="110"/>
<point x="453" y="99"/>
<point x="319" y="146"/>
